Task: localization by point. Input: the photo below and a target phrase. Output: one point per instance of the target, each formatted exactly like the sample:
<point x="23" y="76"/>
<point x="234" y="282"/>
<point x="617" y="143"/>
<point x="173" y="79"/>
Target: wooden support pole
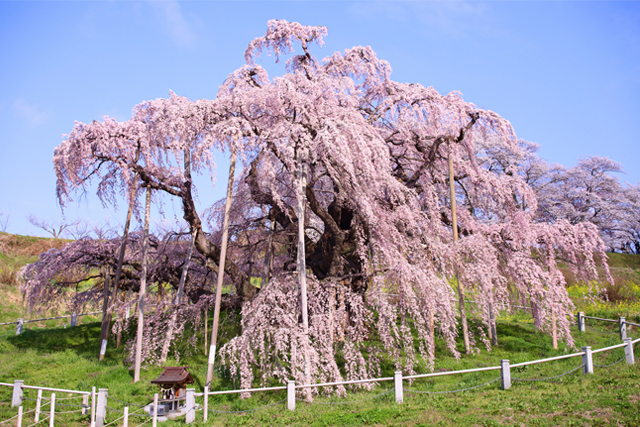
<point x="143" y="287"/>
<point x="206" y="332"/>
<point x="223" y="255"/>
<point x="554" y="329"/>
<point x="106" y="321"/>
<point x="461" y="306"/>
<point x="493" y="333"/>
<point x="302" y="264"/>
<point x="177" y="301"/>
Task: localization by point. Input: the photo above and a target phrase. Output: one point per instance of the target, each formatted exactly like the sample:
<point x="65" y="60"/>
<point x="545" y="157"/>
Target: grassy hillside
<point x="67" y="357"/>
<point x="15" y="252"/>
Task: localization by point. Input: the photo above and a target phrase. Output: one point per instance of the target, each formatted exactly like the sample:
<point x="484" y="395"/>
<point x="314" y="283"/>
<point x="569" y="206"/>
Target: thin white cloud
<point x="29" y="112"/>
<point x="180" y="29"/>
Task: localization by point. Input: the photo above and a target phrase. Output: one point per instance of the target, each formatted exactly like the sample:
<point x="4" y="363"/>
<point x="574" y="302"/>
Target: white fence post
<point x="85" y="403"/>
<point x="397" y="383"/>
<point x="587" y="360"/>
<point x="154" y="422"/>
<point x="205" y="405"/>
<point x="505" y="374"/>
<point x="101" y="407"/>
<point x="19" y="423"/>
<point x="16" y="398"/>
<point x="38" y="405"/>
<point x="291" y="395"/>
<point x="52" y="411"/>
<point x="623" y="328"/>
<point x="74" y="319"/>
<point x="125" y="420"/>
<point x="581" y="321"/>
<point x="628" y="351"/>
<point x="93" y="407"/>
<point x="190" y="401"/>
<point x="19" y="326"/>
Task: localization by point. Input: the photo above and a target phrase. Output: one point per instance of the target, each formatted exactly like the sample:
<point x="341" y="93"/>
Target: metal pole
<point x="223" y="255"/>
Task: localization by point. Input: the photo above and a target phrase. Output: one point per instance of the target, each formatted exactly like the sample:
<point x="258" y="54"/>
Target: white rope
<point x="346" y="402"/>
<point x="44" y="419"/>
<point x="9" y="419"/>
<point x="451" y="391"/>
<point x="117" y="419"/>
<point x="144" y="422"/>
<point x="68" y="412"/>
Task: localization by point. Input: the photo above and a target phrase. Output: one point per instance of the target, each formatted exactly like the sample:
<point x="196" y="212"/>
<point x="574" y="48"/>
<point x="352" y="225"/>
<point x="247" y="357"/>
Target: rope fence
<point x="246" y="411"/>
<point x="610" y="364"/>
<point x="347" y="402"/>
<point x="452" y="391"/>
<point x="189" y="408"/>
<point x="549" y="378"/>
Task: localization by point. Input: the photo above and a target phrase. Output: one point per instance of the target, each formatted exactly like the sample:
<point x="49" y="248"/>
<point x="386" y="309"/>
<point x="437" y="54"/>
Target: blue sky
<point x="566" y="74"/>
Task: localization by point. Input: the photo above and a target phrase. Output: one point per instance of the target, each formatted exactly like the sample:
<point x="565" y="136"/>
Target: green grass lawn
<point x="48" y="354"/>
<point x="66" y="358"/>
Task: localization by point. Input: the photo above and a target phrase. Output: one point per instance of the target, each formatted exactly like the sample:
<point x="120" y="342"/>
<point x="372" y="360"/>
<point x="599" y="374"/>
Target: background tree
<point x="51" y="227"/>
<point x="4" y="221"/>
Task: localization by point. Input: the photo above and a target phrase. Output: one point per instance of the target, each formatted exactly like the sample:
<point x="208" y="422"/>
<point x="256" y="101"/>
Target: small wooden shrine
<point x="173" y="384"/>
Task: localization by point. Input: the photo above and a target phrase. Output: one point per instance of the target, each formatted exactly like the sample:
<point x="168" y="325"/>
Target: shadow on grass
<point x="84" y="340"/>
